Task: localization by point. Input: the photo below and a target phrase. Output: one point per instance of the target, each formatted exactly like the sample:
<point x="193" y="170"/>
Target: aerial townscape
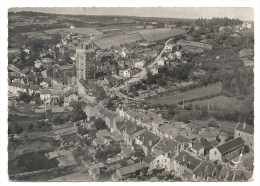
<point x="128" y="98"/>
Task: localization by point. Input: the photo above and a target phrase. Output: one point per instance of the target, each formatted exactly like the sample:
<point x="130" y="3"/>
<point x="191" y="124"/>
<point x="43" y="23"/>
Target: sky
<point x="241" y="13"/>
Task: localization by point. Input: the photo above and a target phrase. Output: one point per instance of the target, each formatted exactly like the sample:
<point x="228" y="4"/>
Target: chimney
<point x="244" y="125"/>
<point x="184" y="158"/>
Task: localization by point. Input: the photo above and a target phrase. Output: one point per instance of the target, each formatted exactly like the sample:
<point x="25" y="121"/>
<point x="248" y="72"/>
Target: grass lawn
<point x="221" y="102"/>
<point x="191" y="94"/>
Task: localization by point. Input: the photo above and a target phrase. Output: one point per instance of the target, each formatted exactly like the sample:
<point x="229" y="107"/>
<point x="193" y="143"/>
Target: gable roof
<point x="230" y="145"/>
<point x="192" y="126"/>
<point x="102" y="133"/>
<point x="148" y="137"/>
<point x="206" y="143"/>
<point x="205" y="167"/>
<point x="128" y="126"/>
<point x="166" y="145"/>
<point x="131" y="168"/>
<point x="182" y="139"/>
<point x="45" y="91"/>
<point x="185" y="159"/>
<point x="245" y="128"/>
<point x="197" y="145"/>
<point x="131" y="113"/>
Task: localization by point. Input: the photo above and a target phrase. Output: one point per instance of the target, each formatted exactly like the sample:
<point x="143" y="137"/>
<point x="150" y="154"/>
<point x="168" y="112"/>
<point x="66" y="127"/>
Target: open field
<point x="151" y="37"/>
<point x="37" y="35"/>
<point x="221" y="102"/>
<point x="188" y="95"/>
<point x="107" y="42"/>
<point x="81" y="31"/>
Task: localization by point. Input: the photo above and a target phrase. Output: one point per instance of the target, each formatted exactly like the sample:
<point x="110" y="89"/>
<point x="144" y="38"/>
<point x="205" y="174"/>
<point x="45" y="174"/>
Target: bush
<point x="246" y="149"/>
<point x="212" y="122"/>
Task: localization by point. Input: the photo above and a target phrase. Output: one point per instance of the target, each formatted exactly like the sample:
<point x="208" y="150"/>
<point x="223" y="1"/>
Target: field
<point x="188" y="95"/>
<point x="152" y="35"/>
<point x="81" y="31"/>
<point x="221" y="102"/>
<point x="107" y="42"/>
<point x="37" y="35"/>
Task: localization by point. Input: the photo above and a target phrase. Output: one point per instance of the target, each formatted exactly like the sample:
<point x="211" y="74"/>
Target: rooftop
<point x="245" y="128"/>
<point x="182" y="139"/>
<point x="131" y="168"/>
<point x="230" y="145"/>
<point x="184" y="158"/>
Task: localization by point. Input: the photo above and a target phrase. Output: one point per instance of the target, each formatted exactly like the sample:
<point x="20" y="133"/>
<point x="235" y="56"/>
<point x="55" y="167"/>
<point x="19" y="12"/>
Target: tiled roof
<point x="132" y="168"/>
<point x="45" y="91"/>
<point x="192" y="126"/>
<point x="167" y="145"/>
<point x="102" y="133"/>
<point x="185" y="159"/>
<point x="148" y="137"/>
<point x="149" y="158"/>
<point x="230" y="145"/>
<point x="197" y="145"/>
<point x="206" y="143"/>
<point x="205" y="167"/>
<point x="245" y="128"/>
<point x="131" y="113"/>
<point x="127" y="125"/>
<point x="182" y="139"/>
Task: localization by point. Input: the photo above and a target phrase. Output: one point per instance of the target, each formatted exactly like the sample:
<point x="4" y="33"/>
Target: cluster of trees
<point x="100" y="124"/>
<point x="102" y="154"/>
<point x="15" y="130"/>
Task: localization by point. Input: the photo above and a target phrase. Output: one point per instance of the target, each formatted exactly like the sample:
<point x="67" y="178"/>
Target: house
<point x="33" y="89"/>
<point x="204" y="171"/>
<point x="70" y="96"/>
<point x="161" y="62"/>
<point x="46" y="83"/>
<point x="45" y="94"/>
<point x="185" y="164"/>
<point x="130" y="115"/>
<point x="167" y="131"/>
<point x="183" y="141"/>
<point x="147" y="140"/>
<point x="227" y="150"/>
<point x="105" y="140"/>
<point x="140" y="63"/>
<point x="124" y="172"/>
<point x="125" y="73"/>
<point x="162" y="155"/>
<point x="197" y="148"/>
<point x="192" y="127"/>
<point x="246" y="132"/>
<point x="114" y="80"/>
<point x="103" y="133"/>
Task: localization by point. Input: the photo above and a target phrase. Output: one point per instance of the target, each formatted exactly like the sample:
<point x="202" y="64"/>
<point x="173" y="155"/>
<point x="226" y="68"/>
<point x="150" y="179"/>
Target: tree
<point x="18" y="129"/>
<point x="246" y="149"/>
<point x="212" y="122"/>
<point x="100" y="124"/>
<point x="82" y="130"/>
<point x="77" y="112"/>
<point x="139" y="152"/>
<point x="56" y="119"/>
<point x="171" y="112"/>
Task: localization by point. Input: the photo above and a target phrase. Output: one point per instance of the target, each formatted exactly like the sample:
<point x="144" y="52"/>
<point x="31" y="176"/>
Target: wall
<point x="214" y="155"/>
<point x="248" y="138"/>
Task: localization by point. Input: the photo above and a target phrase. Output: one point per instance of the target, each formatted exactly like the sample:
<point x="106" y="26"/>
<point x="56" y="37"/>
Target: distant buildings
<point x="246" y="132"/>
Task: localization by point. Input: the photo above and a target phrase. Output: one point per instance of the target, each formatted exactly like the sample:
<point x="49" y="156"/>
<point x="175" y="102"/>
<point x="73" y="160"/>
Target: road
<point x="158" y="57"/>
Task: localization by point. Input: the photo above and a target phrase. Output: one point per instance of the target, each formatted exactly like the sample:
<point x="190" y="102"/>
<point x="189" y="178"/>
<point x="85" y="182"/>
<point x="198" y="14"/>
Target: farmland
<point x="189" y="95"/>
<point x="37" y="35"/>
<point x="221" y="102"/>
<point x="107" y="42"/>
<point x="81" y="31"/>
<point x="161" y="33"/>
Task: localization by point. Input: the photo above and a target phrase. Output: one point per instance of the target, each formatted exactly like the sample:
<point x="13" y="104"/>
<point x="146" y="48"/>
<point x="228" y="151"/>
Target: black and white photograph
<point x="139" y="94"/>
